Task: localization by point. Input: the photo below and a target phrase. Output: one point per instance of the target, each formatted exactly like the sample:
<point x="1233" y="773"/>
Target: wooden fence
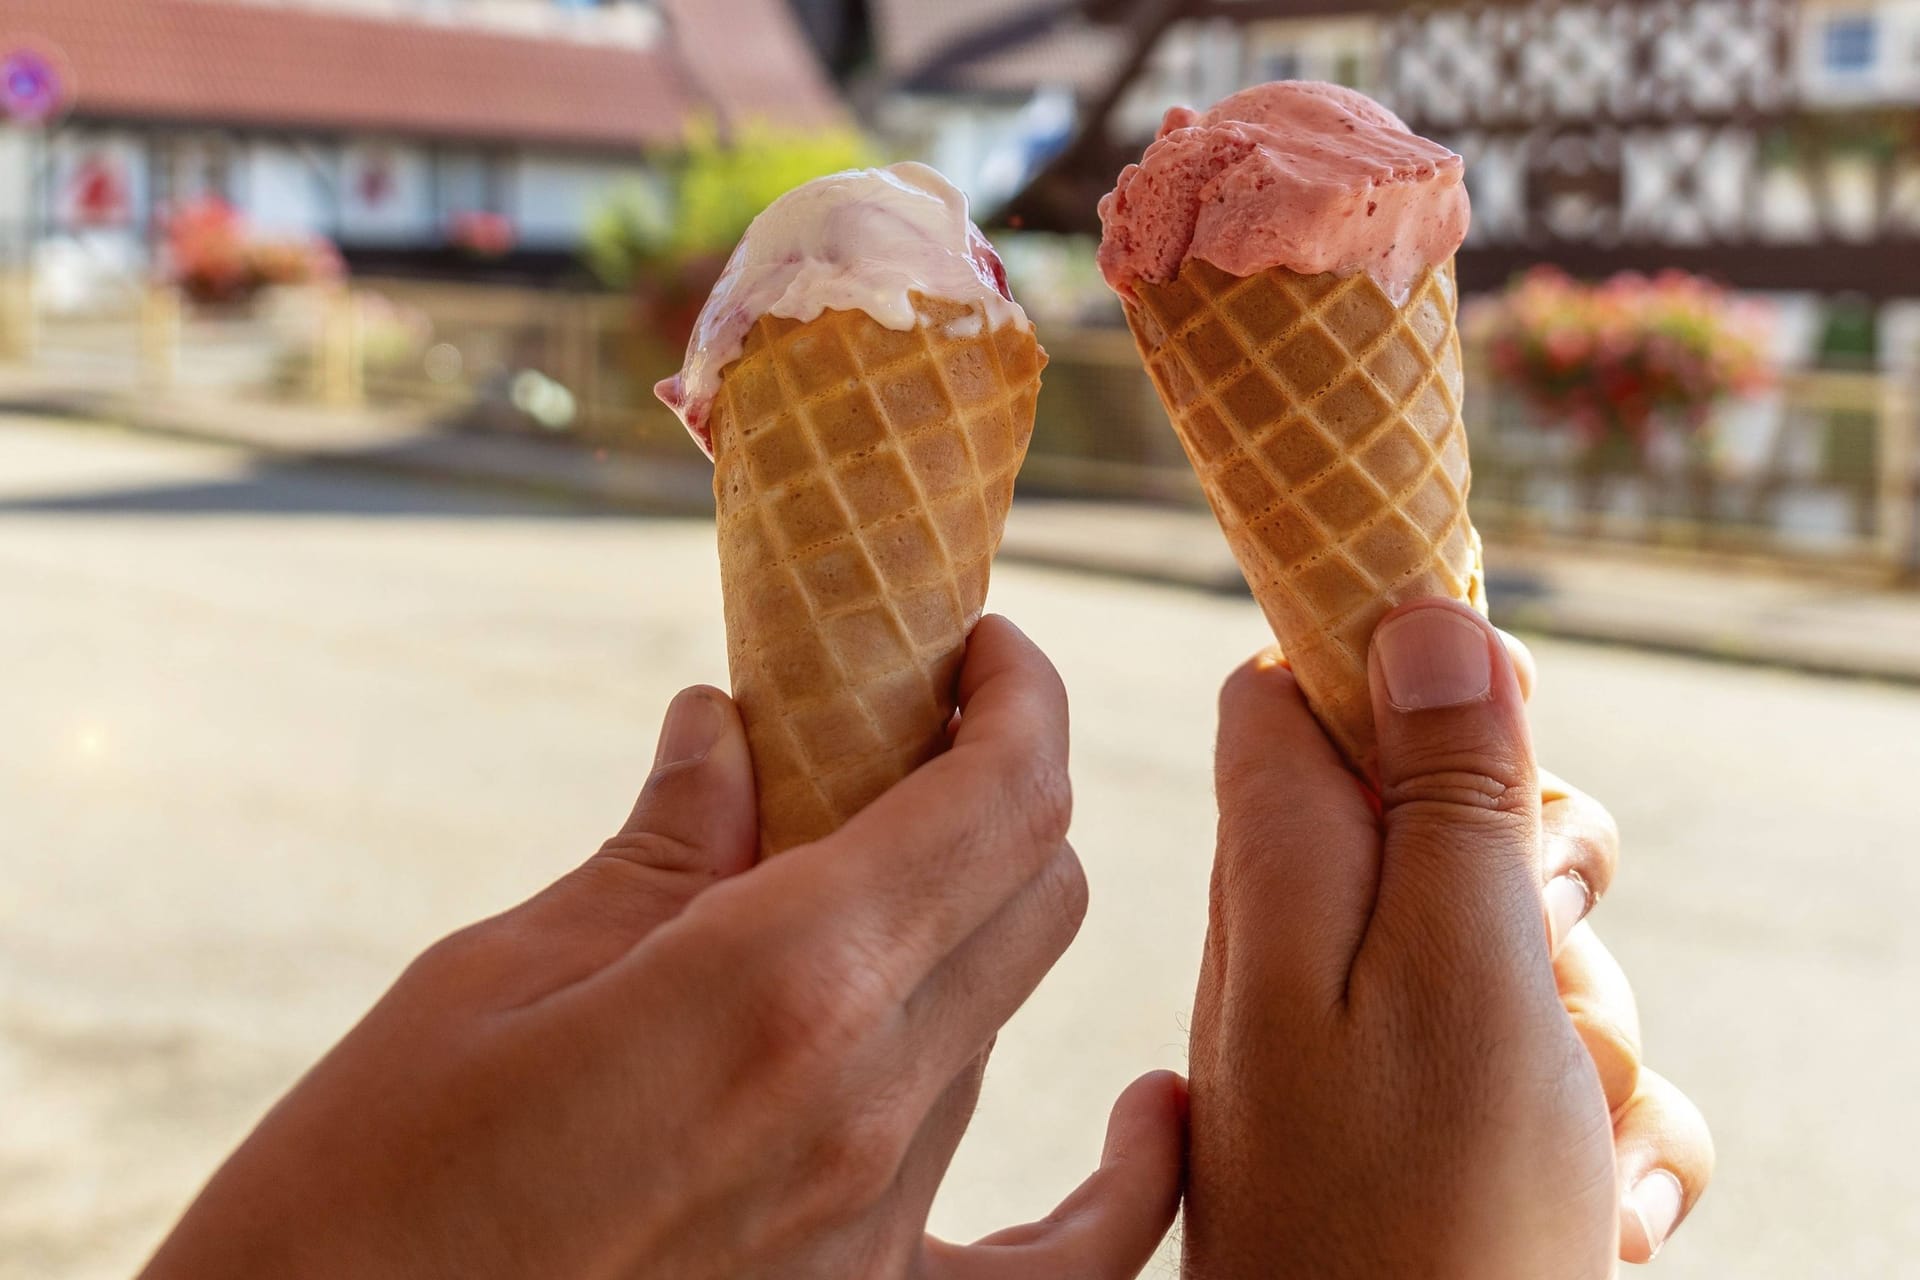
<point x="470" y="348"/>
<point x="1819" y="471"/>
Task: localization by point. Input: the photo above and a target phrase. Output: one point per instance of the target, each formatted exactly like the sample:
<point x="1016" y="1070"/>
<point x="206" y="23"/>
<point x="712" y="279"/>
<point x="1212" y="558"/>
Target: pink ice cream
<point x="863" y="240"/>
<point x="1295" y="174"/>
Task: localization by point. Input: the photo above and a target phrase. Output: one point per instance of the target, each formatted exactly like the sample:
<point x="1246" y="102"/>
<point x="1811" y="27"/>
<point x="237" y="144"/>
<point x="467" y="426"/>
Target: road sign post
<point x="35" y="90"/>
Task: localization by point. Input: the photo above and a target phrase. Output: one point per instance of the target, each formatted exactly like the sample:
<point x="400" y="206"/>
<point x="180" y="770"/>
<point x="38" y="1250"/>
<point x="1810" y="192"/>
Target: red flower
<point x="1617" y="356"/>
<point x="490" y="235"/>
<point x="213" y="256"/>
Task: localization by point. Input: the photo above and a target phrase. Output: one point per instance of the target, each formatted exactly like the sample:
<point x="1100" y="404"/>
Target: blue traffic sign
<point x="31" y="87"/>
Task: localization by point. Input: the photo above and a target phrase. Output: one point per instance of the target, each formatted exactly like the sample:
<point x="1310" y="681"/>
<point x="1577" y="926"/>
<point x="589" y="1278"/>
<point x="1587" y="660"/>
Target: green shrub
<point x="707" y="196"/>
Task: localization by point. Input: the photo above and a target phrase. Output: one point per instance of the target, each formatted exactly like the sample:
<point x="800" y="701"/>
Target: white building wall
<point x="1886" y="35"/>
<point x="551" y="198"/>
<point x="16" y="181"/>
<point x="93" y="257"/>
<point x="81" y="157"/>
<point x="1199" y="62"/>
<point x="1901" y="71"/>
<point x="285" y="192"/>
<point x="386" y="194"/>
<point x="464" y="183"/>
<point x="380" y="193"/>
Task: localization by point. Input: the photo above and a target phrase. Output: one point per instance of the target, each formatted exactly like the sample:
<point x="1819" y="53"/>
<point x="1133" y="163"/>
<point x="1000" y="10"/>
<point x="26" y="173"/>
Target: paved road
<point x="269" y="731"/>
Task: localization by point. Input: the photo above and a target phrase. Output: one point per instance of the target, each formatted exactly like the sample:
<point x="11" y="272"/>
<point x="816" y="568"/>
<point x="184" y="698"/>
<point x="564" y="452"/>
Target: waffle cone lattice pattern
<point x="862" y="477"/>
<point x="1324" y="423"/>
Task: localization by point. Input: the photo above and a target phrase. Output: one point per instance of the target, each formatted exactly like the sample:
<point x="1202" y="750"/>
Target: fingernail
<point x="1433" y="658"/>
<point x="691" y="728"/>
<point x="1568" y="900"/>
<point x="1652" y="1207"/>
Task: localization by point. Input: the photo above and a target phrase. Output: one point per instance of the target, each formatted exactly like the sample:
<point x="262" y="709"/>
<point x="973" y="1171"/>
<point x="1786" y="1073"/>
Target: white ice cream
<point x="862" y="240"/>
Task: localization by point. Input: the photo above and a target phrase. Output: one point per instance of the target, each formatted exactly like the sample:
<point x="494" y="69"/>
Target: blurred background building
<point x="389" y="127"/>
<point x="1766" y="143"/>
<point x="570" y="175"/>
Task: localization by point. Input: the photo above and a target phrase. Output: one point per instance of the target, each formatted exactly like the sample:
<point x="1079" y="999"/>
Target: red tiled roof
<point x="923" y="44"/>
<point x="240" y="64"/>
<point x="752" y="59"/>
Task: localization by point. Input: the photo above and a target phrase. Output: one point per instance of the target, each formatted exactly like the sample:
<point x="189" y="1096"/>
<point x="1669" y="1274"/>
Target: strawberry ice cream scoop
<point x="1296" y="174"/>
<point x="861" y="240"/>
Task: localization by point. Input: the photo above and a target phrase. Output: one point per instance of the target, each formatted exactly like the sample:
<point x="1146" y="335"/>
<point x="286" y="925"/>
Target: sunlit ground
<point x="269" y="731"/>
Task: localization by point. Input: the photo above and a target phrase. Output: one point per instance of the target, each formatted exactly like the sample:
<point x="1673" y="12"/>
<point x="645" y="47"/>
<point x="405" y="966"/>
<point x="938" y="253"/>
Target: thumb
<point x="1461" y="801"/>
<point x="696" y="814"/>
<point x="1110" y="1226"/>
<point x="694" y="824"/>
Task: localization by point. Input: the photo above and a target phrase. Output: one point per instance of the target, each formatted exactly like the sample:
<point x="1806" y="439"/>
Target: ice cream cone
<point x="862" y="480"/>
<point x="1324" y="422"/>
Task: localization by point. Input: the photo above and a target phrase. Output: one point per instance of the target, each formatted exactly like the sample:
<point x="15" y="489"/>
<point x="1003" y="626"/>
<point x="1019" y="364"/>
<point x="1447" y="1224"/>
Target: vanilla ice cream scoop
<point x="862" y="240"/>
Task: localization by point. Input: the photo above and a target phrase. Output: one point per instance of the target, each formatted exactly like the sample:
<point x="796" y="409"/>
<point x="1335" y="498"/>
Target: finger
<point x="1599" y="1001"/>
<point x="1665" y="1156"/>
<point x="967" y="998"/>
<point x="1111" y="1225"/>
<point x="1525" y="670"/>
<point x="922" y="867"/>
<point x="1461" y="810"/>
<point x="1580" y="849"/>
<point x="1582" y="844"/>
<point x="693" y="824"/>
<point x="1299" y="851"/>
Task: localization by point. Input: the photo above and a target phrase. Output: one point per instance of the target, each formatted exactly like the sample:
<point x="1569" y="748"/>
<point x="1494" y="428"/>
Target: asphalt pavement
<point x="270" y="728"/>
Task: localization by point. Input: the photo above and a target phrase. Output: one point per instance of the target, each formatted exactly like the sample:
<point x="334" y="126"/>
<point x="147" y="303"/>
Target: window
<point x="1849" y="44"/>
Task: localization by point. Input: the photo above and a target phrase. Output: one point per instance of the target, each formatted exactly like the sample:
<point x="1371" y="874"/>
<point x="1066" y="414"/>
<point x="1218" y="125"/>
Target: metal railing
<point x="1822" y="468"/>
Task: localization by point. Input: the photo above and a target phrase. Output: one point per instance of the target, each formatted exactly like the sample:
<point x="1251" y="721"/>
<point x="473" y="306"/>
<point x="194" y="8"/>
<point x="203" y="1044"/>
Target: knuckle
<point x="1588" y="840"/>
<point x="1605" y="830"/>
<point x="627" y="895"/>
<point x="1063" y="886"/>
<point x="816" y="1008"/>
<point x="459" y="949"/>
<point x="1467" y="790"/>
<point x="1677" y="1122"/>
<point x="1260" y="677"/>
<point x="1579" y="812"/>
<point x="856" y="1160"/>
<point x="1240" y="684"/>
<point x="1614" y="1055"/>
<point x="465" y="959"/>
<point x="1590" y="859"/>
<point x="831" y="1171"/>
<point x="1041" y="796"/>
<point x="653" y="851"/>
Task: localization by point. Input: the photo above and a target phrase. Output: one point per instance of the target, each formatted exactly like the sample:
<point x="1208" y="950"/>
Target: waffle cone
<point x="862" y="477"/>
<point x="1324" y="422"/>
